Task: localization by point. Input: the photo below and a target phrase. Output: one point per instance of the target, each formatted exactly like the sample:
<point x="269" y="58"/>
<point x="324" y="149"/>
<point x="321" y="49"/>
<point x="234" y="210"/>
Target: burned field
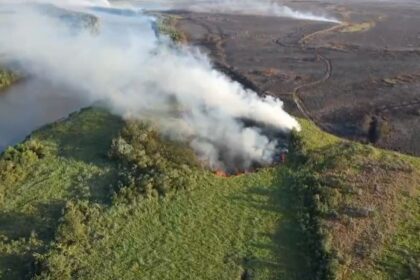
<point x="359" y="79"/>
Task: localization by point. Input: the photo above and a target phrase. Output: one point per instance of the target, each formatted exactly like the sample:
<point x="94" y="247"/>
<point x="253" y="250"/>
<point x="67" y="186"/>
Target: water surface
<point x="32" y="103"/>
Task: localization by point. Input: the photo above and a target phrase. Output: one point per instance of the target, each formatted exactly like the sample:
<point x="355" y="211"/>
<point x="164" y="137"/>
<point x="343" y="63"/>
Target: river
<point x="31" y="104"/>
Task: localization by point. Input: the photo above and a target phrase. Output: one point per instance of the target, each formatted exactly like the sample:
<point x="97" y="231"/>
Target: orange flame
<point x="220" y="173"/>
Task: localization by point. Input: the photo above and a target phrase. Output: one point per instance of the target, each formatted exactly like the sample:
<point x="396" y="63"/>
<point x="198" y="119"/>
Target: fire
<point x="221" y="173"/>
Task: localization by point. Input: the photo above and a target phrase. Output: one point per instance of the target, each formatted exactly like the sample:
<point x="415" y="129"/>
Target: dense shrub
<point x="313" y="200"/>
<point x="73" y="232"/>
<point x="149" y="164"/>
<point x="14" y="161"/>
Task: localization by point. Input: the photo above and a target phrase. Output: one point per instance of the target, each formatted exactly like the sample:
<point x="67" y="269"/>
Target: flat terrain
<point x="354" y="79"/>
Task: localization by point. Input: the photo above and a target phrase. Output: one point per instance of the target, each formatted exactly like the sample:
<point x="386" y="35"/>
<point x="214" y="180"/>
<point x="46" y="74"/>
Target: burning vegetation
<point x="228" y="126"/>
<point x="152" y="209"/>
<point x="234" y="166"/>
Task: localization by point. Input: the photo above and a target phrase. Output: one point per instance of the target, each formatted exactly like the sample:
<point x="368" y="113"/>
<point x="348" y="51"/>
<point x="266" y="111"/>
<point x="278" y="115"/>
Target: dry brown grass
<point x="367" y="209"/>
<point x="357" y="27"/>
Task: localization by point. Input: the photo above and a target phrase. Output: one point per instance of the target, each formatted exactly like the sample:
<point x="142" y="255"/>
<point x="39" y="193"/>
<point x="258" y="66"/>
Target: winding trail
<point x="308" y="37"/>
<point x="303" y="42"/>
<point x="298" y="100"/>
<point x="327" y="74"/>
<point x="215" y="40"/>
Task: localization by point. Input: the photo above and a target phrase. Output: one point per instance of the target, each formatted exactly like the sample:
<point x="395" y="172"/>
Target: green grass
<point x="61" y="162"/>
<point x="386" y="244"/>
<point x="217" y="228"/>
<point x="216" y="231"/>
<point x="69" y="211"/>
<point x="199" y="227"/>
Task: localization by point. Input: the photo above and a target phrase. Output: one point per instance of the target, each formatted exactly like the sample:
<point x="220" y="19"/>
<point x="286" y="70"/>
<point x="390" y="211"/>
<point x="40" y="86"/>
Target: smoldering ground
<point x="140" y="76"/>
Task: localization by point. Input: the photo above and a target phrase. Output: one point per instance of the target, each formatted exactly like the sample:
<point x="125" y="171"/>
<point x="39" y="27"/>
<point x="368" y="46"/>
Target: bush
<point x="15" y="161"/>
<point x="149" y="164"/>
<point x="73" y="230"/>
<point x="315" y="201"/>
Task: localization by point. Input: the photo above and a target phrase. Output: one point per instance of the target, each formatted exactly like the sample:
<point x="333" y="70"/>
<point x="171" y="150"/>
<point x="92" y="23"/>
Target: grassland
<point x="367" y="203"/>
<point x="221" y="230"/>
<point x="93" y="197"/>
<point x="66" y="214"/>
<point x="61" y="162"/>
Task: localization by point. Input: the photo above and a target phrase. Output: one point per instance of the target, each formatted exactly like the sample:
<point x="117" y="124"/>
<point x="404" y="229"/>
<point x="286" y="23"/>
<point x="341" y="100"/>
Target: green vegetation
<point x="170" y="219"/>
<point x="220" y="230"/>
<point x="168" y="25"/>
<point x="364" y="205"/>
<point x="7" y="78"/>
<point x="61" y="162"/>
<point x="91" y="198"/>
<point x="95" y="197"/>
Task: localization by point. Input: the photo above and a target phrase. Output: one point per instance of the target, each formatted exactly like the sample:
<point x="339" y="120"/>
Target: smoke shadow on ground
<point x="285" y="243"/>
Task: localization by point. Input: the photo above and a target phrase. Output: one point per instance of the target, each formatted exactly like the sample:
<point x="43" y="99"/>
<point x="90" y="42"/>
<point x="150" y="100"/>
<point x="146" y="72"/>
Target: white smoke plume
<point x="62" y="3"/>
<point x="255" y="7"/>
<point x="243" y="7"/>
<point x="139" y="76"/>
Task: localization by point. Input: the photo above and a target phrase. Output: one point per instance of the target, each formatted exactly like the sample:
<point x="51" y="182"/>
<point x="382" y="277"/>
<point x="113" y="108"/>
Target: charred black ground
<point x="359" y="79"/>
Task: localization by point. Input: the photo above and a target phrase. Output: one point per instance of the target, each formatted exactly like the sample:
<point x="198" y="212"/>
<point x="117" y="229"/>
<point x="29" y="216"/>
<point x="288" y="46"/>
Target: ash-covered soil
<point x="359" y="79"/>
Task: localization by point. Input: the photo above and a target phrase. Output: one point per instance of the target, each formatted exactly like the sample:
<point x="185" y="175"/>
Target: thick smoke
<point x="139" y="76"/>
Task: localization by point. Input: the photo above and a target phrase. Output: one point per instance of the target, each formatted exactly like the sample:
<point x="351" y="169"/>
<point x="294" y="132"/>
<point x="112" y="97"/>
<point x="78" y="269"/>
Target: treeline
<point x="311" y="200"/>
